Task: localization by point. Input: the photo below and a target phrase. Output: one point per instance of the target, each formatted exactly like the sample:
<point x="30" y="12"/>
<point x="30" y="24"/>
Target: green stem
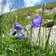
<point x="0" y="24"/>
<point x="47" y="42"/>
<point x="42" y="17"/>
<point x="39" y="39"/>
<point x="40" y="30"/>
<point x="30" y="33"/>
<point x="43" y="11"/>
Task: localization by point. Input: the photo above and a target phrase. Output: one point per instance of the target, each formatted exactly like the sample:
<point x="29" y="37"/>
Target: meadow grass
<point x="11" y="46"/>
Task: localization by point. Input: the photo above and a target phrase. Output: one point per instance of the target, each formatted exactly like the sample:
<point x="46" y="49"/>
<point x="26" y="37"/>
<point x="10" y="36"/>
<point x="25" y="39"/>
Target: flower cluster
<point x="37" y="22"/>
<point x="16" y="28"/>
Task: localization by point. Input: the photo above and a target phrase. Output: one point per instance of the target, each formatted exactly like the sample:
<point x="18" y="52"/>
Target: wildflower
<point x="17" y="26"/>
<point x="20" y="36"/>
<point x="13" y="33"/>
<point x="37" y="22"/>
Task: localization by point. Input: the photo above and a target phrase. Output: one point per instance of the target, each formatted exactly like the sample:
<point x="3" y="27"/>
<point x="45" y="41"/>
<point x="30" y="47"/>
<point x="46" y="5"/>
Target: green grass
<point x="11" y="46"/>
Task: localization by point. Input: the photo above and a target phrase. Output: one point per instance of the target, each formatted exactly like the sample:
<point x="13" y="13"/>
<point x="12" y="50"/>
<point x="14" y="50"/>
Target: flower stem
<point x="0" y="24"/>
<point x="30" y="33"/>
<point x="47" y="42"/>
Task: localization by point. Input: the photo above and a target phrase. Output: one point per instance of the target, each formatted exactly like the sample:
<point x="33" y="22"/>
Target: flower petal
<point x="13" y="33"/>
<point x="20" y="36"/>
<point x="37" y="22"/>
<point x="17" y="27"/>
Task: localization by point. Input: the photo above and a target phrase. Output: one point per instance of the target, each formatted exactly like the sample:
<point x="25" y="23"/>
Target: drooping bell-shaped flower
<point x="14" y="33"/>
<point x="37" y="22"/>
<point x="17" y="26"/>
<point x="20" y="36"/>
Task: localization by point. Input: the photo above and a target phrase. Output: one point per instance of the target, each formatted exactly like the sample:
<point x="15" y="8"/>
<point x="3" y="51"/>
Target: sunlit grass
<point x="11" y="46"/>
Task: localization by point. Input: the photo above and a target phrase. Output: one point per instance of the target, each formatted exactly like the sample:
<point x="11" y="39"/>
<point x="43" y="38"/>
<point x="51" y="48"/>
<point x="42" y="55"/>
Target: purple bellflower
<point x="17" y="26"/>
<point x="20" y="36"/>
<point x="14" y="33"/>
<point x="37" y="22"/>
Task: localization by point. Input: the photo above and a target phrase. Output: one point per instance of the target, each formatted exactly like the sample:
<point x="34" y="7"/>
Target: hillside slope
<point x="25" y="16"/>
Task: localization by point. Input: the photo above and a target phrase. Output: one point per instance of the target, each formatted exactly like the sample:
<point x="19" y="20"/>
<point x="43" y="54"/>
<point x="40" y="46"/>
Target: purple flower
<point x="20" y="36"/>
<point x="37" y="22"/>
<point x="13" y="33"/>
<point x="17" y="26"/>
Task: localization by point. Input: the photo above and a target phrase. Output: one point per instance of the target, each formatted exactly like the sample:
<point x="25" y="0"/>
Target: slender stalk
<point x="39" y="34"/>
<point x="39" y="38"/>
<point x="42" y="10"/>
<point x="47" y="42"/>
<point x="0" y="24"/>
<point x="43" y="27"/>
<point x="30" y="33"/>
